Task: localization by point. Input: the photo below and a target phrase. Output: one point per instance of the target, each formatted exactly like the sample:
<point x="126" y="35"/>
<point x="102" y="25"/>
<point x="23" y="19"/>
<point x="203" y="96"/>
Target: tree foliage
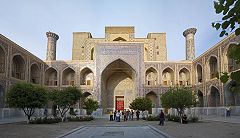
<point x="90" y="105"/>
<point x="179" y="98"/>
<point x="230" y="9"/>
<point x="27" y="97"/>
<point x="141" y="103"/>
<point x="65" y="98"/>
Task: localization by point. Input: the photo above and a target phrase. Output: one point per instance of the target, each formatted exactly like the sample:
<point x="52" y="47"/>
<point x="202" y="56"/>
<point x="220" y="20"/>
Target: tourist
<point x="137" y="114"/>
<point x="132" y="113"/>
<point x="118" y="115"/>
<point x="228" y="111"/>
<point x="125" y="115"/>
<point x="111" y="116"/>
<point x="114" y="115"/>
<point x="184" y="119"/>
<point x="161" y="118"/>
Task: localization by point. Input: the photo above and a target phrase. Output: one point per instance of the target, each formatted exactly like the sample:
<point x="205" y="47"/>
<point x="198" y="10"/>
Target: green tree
<point x="64" y="99"/>
<point x="179" y="98"/>
<point x="230" y="9"/>
<point x="27" y="97"/>
<point x="90" y="105"/>
<point x="141" y="103"/>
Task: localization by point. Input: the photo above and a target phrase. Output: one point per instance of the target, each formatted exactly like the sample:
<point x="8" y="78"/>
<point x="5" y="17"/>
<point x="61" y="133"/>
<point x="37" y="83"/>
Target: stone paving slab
<point x="117" y="131"/>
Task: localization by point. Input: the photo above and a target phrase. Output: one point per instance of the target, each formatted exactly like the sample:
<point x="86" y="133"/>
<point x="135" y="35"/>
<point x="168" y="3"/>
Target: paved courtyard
<point x="115" y="131"/>
<point x="206" y="129"/>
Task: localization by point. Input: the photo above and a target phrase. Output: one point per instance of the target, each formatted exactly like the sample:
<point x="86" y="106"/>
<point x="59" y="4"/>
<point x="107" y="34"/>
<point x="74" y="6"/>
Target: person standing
<point x="137" y="114"/>
<point x="118" y="115"/>
<point x="162" y="118"/>
<point x="132" y="113"/>
<point x="114" y="115"/>
<point x="111" y="116"/>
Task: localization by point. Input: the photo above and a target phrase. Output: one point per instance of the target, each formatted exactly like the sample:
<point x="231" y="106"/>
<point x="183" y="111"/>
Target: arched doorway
<point x="86" y="77"/>
<point x="214" y="97"/>
<point x="184" y="77"/>
<point x="151" y="77"/>
<point x="199" y="74"/>
<point x="2" y="60"/>
<point x="213" y="67"/>
<point x="68" y="77"/>
<point x="35" y="74"/>
<point x="51" y="77"/>
<point x="153" y="97"/>
<point x="18" y="67"/>
<point x="168" y="76"/>
<point x="200" y="98"/>
<point x="2" y="96"/>
<point x="117" y="85"/>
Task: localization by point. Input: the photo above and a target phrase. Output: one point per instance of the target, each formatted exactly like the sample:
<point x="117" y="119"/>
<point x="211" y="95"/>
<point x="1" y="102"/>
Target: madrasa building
<point x="116" y="69"/>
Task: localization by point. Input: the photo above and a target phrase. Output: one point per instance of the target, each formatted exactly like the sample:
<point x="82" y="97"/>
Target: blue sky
<point x="26" y="22"/>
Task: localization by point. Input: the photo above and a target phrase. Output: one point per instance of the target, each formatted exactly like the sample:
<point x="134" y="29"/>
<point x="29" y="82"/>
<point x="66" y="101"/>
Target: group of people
<point x="125" y="115"/>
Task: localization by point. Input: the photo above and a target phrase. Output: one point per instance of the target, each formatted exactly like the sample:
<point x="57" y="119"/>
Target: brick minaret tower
<point x="51" y="46"/>
<point x="190" y="46"/>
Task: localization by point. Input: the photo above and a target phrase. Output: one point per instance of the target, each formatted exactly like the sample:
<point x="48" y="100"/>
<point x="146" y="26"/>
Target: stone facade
<point x="122" y="65"/>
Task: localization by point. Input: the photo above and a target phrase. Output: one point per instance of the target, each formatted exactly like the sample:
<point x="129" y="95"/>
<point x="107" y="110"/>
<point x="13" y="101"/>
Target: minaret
<point x="51" y="46"/>
<point x="190" y="46"/>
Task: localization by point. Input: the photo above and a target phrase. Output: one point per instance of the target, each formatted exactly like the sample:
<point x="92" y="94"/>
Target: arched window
<point x="168" y="76"/>
<point x="18" y="67"/>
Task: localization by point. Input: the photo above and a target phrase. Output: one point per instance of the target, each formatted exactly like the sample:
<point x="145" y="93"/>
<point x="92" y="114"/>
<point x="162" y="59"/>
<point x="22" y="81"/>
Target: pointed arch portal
<point x="117" y="85"/>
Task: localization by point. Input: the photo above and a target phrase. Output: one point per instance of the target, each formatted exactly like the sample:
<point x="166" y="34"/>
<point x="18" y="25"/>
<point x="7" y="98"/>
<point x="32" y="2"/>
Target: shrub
<point x="152" y="118"/>
<point x="173" y="118"/>
<point x="45" y="120"/>
<point x="79" y="119"/>
<point x="193" y="119"/>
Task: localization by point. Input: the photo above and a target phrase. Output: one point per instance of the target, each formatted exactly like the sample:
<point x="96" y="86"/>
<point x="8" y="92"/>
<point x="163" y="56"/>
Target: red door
<point x="119" y="103"/>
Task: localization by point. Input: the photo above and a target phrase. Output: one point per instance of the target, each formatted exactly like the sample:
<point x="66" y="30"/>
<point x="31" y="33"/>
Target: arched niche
<point x="151" y="77"/>
<point x="92" y="53"/>
<point x="214" y="97"/>
<point x="2" y="96"/>
<point x="35" y="74"/>
<point x="86" y="77"/>
<point x="200" y="98"/>
<point x="213" y="67"/>
<point x="184" y="77"/>
<point x="168" y="77"/>
<point x="2" y="60"/>
<point x="119" y="39"/>
<point x="145" y="53"/>
<point x="18" y="67"/>
<point x="68" y="77"/>
<point x="153" y="97"/>
<point x="199" y="73"/>
<point x="51" y="77"/>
